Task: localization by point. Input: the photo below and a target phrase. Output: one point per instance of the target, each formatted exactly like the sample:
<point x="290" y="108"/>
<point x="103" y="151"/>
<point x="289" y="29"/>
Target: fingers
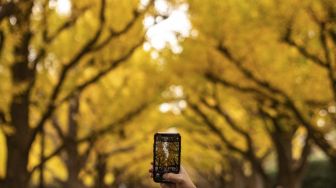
<point x="164" y="185"/>
<point x="182" y="170"/>
<point x="150" y="171"/>
<point x="171" y="177"/>
<point x="174" y="178"/>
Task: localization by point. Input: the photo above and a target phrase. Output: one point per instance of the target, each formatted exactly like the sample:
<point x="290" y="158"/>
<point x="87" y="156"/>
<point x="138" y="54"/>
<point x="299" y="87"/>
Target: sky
<point x="166" y="32"/>
<point x="161" y="34"/>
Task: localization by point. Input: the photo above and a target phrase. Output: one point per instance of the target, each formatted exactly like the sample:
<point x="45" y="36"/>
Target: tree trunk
<point x="118" y="173"/>
<point x="283" y="146"/>
<point x="238" y="177"/>
<point x="17" y="175"/>
<point x="101" y="171"/>
<point x="18" y="146"/>
<point x="254" y="181"/>
<point x="256" y="164"/>
<point x="42" y="168"/>
<point x="73" y="162"/>
<point x="289" y="175"/>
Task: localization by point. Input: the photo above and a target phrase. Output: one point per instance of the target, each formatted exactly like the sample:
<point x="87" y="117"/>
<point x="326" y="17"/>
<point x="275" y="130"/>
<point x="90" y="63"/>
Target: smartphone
<point x="167" y="155"/>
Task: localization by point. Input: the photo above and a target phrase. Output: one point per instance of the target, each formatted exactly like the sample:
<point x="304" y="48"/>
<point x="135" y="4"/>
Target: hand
<point x="180" y="180"/>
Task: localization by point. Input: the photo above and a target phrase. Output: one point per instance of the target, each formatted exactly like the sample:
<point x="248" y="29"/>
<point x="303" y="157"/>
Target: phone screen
<point x="167" y="150"/>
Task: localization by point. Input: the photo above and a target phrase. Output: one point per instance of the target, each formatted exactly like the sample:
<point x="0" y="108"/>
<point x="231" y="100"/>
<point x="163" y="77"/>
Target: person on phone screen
<point x="180" y="180"/>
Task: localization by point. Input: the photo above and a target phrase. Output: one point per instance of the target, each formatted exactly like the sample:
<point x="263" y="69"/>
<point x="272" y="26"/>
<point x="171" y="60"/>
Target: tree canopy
<point x="249" y="85"/>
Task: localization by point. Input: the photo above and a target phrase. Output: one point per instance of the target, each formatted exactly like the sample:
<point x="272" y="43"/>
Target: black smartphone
<point x="167" y="155"/>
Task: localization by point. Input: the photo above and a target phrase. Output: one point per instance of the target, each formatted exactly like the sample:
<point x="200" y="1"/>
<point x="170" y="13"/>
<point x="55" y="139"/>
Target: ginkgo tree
<point x="276" y="57"/>
<point x="251" y="87"/>
<point x="48" y="58"/>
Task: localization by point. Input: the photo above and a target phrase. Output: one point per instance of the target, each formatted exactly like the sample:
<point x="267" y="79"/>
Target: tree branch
<point x="232" y="124"/>
<point x="287" y="38"/>
<point x="126" y="28"/>
<point x="328" y="59"/>
<point x="226" y="116"/>
<point x="119" y="150"/>
<point x="57" y="127"/>
<point x="299" y="167"/>
<point x="303" y="51"/>
<point x="85" y="156"/>
<point x="249" y="154"/>
<point x="110" y="127"/>
<point x="47" y="39"/>
<point x="83" y="51"/>
<point x="7" y="9"/>
<point x="3" y="119"/>
<point x="214" y="128"/>
<point x="2" y="40"/>
<point x="66" y="25"/>
<point x="113" y="65"/>
<point x="248" y="73"/>
<point x="317" y="136"/>
<point x="95" y="134"/>
<point x="245" y="89"/>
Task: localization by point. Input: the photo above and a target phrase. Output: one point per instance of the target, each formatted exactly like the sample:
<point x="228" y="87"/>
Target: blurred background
<point x="250" y="85"/>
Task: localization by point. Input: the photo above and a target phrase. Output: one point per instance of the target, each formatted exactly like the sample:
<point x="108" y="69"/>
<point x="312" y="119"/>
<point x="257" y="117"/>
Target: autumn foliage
<point x="249" y="85"/>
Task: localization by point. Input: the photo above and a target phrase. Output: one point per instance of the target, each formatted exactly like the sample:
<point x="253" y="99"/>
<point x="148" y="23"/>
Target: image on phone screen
<point x="167" y="149"/>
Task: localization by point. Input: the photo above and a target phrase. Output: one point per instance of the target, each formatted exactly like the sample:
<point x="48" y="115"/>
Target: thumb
<point x="174" y="178"/>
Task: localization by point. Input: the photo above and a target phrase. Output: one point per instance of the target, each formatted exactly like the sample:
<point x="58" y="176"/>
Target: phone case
<point x="158" y="178"/>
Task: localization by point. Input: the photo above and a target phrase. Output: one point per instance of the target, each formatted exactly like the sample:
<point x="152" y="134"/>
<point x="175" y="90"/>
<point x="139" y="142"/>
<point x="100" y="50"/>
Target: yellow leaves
<point x="116" y="8"/>
<point x="3" y="154"/>
<point x="298" y="142"/>
<point x="54" y="168"/>
<point x="19" y="88"/>
<point x="109" y="178"/>
<point x="88" y="180"/>
<point x="8" y="129"/>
